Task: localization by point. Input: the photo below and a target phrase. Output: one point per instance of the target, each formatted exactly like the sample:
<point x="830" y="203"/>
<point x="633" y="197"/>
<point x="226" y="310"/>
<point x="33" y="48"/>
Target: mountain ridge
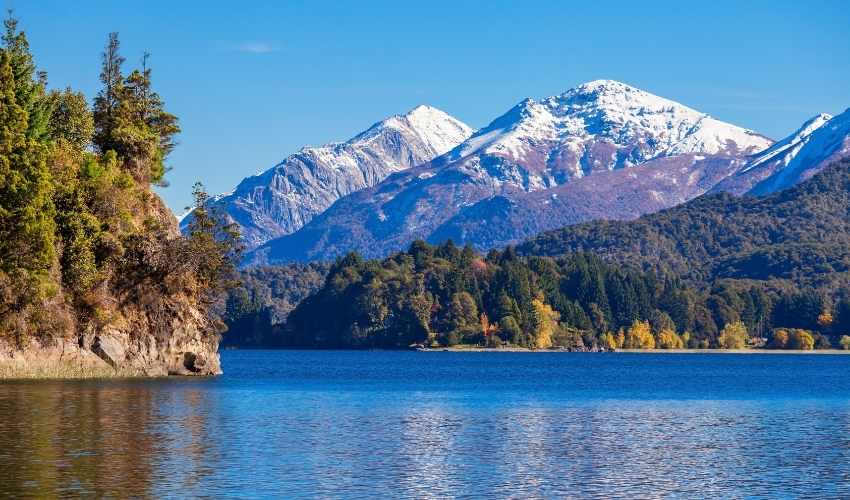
<point x="819" y="141"/>
<point x="280" y="200"/>
<point x="602" y="126"/>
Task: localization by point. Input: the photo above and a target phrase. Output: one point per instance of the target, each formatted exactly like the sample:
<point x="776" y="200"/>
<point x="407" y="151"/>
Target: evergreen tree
<point x="130" y="118"/>
<point x="29" y="84"/>
<point x="26" y="208"/>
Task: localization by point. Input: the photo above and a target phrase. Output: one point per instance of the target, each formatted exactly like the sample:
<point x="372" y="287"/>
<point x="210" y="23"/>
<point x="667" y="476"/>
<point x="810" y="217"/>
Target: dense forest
<point x="716" y="272"/>
<point x="445" y="295"/>
<point x="85" y="245"/>
<point x="794" y="238"/>
<point x="263" y="298"/>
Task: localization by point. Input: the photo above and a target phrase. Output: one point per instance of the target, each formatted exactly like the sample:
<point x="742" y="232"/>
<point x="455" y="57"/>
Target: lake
<point x="435" y="425"/>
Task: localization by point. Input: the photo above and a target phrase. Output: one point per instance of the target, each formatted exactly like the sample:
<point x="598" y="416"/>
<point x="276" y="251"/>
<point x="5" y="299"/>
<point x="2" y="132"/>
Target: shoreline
<point x="641" y="351"/>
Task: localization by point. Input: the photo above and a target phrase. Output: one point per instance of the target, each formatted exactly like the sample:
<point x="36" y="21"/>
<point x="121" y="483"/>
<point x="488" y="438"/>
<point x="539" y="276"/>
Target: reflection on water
<point x="428" y="425"/>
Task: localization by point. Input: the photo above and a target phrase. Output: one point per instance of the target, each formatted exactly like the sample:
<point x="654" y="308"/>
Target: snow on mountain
<point x="787" y="148"/>
<point x="598" y="127"/>
<point x="816" y="147"/>
<point x="604" y="125"/>
<point x="287" y="196"/>
<point x="819" y="141"/>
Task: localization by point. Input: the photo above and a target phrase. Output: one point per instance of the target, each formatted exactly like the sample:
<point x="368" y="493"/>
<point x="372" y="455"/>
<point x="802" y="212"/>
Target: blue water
<point x="436" y="425"/>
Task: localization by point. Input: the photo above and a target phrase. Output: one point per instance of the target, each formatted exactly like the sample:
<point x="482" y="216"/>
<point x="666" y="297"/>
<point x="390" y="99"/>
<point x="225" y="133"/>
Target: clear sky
<point x="254" y="81"/>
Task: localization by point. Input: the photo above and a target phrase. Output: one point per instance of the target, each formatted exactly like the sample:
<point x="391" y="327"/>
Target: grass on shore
<point x="68" y="370"/>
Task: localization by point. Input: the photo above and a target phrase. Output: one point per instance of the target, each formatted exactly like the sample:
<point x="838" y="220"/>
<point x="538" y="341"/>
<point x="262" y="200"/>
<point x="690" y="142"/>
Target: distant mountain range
<point x="603" y="150"/>
<point x="819" y="142"/>
<point x="285" y="197"/>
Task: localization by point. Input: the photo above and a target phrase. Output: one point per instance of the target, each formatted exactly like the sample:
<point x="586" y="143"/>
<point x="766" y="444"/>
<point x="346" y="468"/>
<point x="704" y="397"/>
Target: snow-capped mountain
<point x="287" y="196"/>
<point x="533" y="152"/>
<point x="821" y="141"/>
<point x="602" y="125"/>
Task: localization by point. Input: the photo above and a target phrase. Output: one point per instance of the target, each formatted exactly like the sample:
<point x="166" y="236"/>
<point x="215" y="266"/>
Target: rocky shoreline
<point x="112" y="354"/>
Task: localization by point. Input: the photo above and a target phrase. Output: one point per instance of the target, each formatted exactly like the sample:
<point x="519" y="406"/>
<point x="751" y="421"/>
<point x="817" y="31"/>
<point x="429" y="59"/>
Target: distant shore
<point x="637" y="351"/>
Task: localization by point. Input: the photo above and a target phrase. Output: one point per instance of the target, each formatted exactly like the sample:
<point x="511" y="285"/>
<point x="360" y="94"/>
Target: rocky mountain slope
<point x="603" y="149"/>
<point x="820" y="141"/>
<point x="282" y="199"/>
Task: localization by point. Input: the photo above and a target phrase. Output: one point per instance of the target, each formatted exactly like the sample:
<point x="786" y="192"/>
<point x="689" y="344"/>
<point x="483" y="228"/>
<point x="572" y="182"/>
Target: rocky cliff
<point x="147" y="319"/>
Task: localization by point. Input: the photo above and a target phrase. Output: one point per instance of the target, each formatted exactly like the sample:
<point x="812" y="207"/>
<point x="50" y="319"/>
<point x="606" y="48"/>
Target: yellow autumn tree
<point x="668" y="339"/>
<point x="489" y="330"/>
<point x="779" y="339"/>
<point x="825" y="319"/>
<point x="608" y="341"/>
<point x="801" y="339"/>
<point x="545" y="321"/>
<point x="639" y="336"/>
<point x="621" y="338"/>
<point x="733" y="336"/>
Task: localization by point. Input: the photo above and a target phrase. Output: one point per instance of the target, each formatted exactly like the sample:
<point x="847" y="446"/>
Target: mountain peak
<point x="283" y="198"/>
<point x="607" y="114"/>
<point x="604" y="86"/>
<point x="434" y="127"/>
<point x="813" y="123"/>
<point x="424" y="110"/>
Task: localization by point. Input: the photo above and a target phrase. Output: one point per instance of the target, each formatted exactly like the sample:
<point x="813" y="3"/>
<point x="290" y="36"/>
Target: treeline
<point x="795" y="238"/>
<point x="446" y="295"/>
<point x="256" y="308"/>
<point x="83" y="239"/>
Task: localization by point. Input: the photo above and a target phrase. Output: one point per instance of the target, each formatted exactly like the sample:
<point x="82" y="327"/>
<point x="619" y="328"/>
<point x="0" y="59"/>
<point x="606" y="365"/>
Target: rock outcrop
<point x="148" y="322"/>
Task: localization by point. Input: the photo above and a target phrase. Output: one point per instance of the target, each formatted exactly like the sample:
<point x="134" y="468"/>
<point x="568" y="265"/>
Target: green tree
<point x="212" y="246"/>
<point x="29" y="84"/>
<point x="130" y="118"/>
<point x="26" y="208"/>
<point x="844" y="342"/>
<point x="71" y="122"/>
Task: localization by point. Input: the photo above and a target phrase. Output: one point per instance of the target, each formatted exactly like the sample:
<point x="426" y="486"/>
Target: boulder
<point x="109" y="349"/>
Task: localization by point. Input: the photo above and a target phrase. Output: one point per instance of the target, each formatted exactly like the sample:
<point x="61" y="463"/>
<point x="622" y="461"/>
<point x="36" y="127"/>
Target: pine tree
<point x="213" y="246"/>
<point x="26" y="209"/>
<point x="108" y="100"/>
<point x="130" y="118"/>
<point x="29" y="85"/>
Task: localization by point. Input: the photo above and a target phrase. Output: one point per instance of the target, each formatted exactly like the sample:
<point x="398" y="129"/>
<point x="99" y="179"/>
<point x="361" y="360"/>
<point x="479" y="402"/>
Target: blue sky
<point x="253" y="82"/>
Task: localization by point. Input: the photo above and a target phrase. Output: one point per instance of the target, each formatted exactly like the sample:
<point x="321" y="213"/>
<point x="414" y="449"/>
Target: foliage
<point x="639" y="336"/>
<point x="734" y="336"/>
<point x="259" y="304"/>
<point x="797" y="238"/>
<point x="441" y="294"/>
<point x="438" y="294"/>
<point x="82" y="237"/>
<point x="130" y="118"/>
<point x="792" y="338"/>
<point x="212" y="246"/>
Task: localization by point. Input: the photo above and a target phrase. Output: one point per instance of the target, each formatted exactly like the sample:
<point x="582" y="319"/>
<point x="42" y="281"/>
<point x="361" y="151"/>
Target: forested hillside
<point x="797" y="237"/>
<point x="263" y="299"/>
<point x="90" y="258"/>
<point x="446" y="296"/>
<point x="766" y="271"/>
